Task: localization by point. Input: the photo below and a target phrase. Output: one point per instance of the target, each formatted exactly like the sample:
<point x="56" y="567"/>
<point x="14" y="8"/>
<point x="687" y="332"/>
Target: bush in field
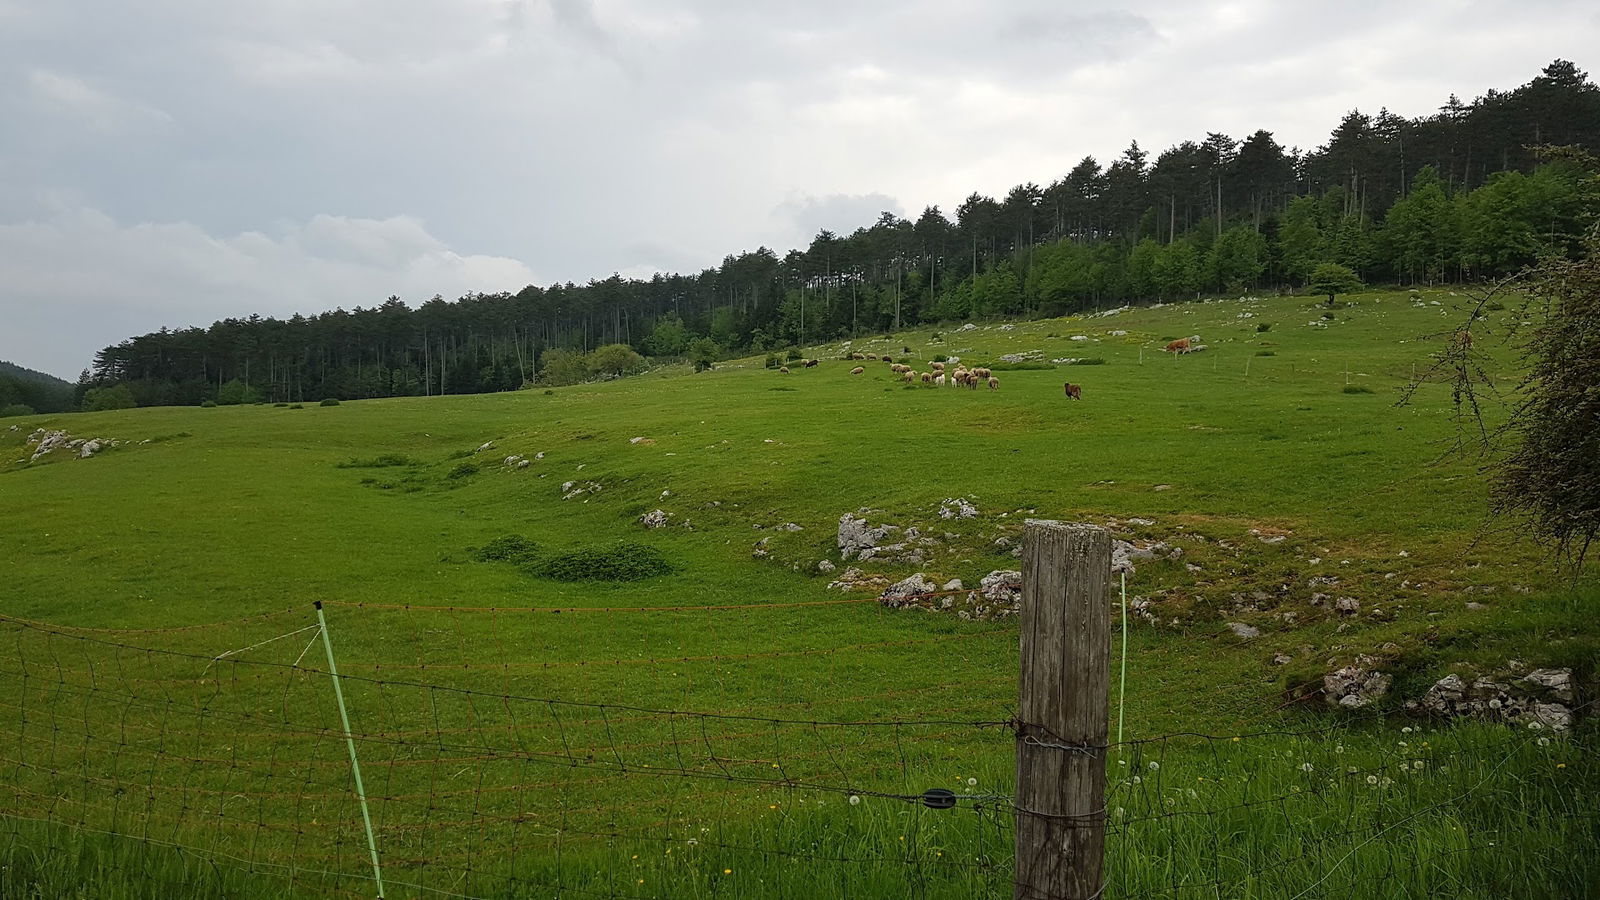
<point x="15" y="409"/>
<point x="1331" y="279"/>
<point x="625" y="561"/>
<point x="208" y="404"/>
<point x="513" y="548"/>
<point x="560" y="366"/>
<point x="704" y="353"/>
<point x="614" y="360"/>
<point x="328" y="401"/>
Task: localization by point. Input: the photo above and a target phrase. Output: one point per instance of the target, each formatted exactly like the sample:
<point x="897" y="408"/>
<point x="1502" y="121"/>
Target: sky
<point x="174" y="162"/>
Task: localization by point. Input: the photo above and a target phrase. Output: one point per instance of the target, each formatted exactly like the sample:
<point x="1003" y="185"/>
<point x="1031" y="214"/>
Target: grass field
<point x="524" y="736"/>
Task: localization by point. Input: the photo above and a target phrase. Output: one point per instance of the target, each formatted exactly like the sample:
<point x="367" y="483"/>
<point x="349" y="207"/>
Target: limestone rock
<point x="907" y="591"/>
<point x="1353" y="687"/>
<point x="655" y="518"/>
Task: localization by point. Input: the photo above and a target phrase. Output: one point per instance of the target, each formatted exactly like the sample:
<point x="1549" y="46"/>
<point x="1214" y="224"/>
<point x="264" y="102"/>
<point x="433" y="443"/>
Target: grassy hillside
<point x="1278" y="460"/>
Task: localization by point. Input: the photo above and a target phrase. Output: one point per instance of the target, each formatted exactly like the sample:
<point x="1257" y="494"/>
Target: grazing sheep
<point x="857" y="356"/>
<point x="908" y="376"/>
<point x="937" y="366"/>
<point x="888" y="359"/>
<point x="938" y="380"/>
<point x="981" y="372"/>
<point x="994" y="383"/>
<point x="927" y="378"/>
<point x="899" y="368"/>
<point x="784" y="370"/>
<point x="857" y="370"/>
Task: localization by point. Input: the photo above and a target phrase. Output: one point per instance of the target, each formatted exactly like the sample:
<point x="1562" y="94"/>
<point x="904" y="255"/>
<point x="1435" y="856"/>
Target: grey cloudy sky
<point x="173" y="162"/>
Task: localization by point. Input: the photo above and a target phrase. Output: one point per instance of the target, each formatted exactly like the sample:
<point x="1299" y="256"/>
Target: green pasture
<point x="524" y="736"/>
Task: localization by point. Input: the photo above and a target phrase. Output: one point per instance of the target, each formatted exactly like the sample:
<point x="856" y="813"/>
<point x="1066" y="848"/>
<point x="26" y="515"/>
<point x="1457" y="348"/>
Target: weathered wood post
<point x="1062" y="711"/>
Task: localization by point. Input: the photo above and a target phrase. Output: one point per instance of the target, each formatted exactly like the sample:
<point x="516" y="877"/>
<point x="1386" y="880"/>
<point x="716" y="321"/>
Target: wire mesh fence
<point x="212" y="761"/>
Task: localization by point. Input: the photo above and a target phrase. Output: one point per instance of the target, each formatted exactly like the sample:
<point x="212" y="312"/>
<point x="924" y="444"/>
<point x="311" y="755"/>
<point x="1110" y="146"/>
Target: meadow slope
<point x="1277" y="460"/>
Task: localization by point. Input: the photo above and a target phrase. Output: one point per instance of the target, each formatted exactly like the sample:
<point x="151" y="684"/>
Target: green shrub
<point x="548" y="392"/>
<point x="1266" y="353"/>
<point x="1357" y="389"/>
<point x="15" y="409"/>
<point x="463" y="470"/>
<point x="624" y="561"/>
<point x="794" y="354"/>
<point x="297" y="406"/>
<point x="1496" y="305"/>
<point x="280" y="405"/>
<point x="1263" y="327"/>
<point x="941" y="358"/>
<point x="512" y="548"/>
<point x="208" y="404"/>
<point x="328" y="401"/>
<point x="1327" y="315"/>
<point x="774" y="361"/>
<point x="378" y="462"/>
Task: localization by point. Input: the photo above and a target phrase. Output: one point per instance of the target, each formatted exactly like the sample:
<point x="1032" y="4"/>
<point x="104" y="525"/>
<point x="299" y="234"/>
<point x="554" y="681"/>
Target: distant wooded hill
<point x="1472" y="191"/>
<point x="24" y="391"/>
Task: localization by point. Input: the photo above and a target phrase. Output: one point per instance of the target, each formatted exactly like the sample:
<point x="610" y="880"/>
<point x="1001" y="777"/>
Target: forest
<point x="24" y="392"/>
<point x="1473" y="191"/>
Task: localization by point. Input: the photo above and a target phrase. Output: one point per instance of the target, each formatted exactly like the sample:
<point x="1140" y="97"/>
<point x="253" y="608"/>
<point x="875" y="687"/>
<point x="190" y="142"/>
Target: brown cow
<point x="1074" y="391"/>
<point x="1181" y="345"/>
<point x="811" y="362"/>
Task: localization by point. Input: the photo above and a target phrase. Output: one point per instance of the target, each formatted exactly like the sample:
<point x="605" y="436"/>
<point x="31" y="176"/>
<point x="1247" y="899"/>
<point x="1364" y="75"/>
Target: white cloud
<point x="79" y="281"/>
<point x="76" y="99"/>
<point x="629" y="135"/>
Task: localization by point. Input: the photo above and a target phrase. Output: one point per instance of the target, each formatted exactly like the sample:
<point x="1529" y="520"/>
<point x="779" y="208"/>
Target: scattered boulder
<point x="1248" y="632"/>
<point x="853" y="579"/>
<point x="573" y="489"/>
<point x="655" y="518"/>
<point x="760" y="550"/>
<point x="790" y="526"/>
<point x="1353" y="687"/>
<point x="1542" y="698"/>
<point x="1123" y="553"/>
<point x="957" y="508"/>
<point x="825" y="567"/>
<point x="857" y="539"/>
<point x="1558" y="682"/>
<point x="907" y="591"/>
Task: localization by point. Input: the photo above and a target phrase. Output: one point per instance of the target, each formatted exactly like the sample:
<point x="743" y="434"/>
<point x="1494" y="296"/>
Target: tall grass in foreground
<point x="1470" y="811"/>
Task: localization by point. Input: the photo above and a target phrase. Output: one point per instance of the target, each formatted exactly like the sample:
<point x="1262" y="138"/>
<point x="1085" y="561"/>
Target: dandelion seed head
<point x="855" y="800"/>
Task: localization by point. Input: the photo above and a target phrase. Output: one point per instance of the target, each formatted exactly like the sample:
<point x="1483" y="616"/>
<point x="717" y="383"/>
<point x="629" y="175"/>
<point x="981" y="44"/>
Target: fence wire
<point x="210" y="753"/>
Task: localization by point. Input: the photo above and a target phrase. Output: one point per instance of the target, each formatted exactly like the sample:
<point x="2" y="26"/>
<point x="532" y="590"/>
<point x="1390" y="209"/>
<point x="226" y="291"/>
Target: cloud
<point x="585" y="137"/>
<point x="75" y="99"/>
<point x="803" y="216"/>
<point x="79" y="281"/>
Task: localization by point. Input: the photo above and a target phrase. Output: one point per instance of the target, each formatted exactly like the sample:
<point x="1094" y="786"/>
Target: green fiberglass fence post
<point x="350" y="744"/>
<point x="1122" y="685"/>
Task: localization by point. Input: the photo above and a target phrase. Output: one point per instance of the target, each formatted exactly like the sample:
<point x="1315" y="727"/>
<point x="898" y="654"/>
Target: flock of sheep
<point x="937" y="377"/>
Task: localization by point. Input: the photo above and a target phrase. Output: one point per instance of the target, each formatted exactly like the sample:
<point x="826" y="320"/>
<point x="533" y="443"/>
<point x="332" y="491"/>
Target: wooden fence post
<point x="1063" y="711"/>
